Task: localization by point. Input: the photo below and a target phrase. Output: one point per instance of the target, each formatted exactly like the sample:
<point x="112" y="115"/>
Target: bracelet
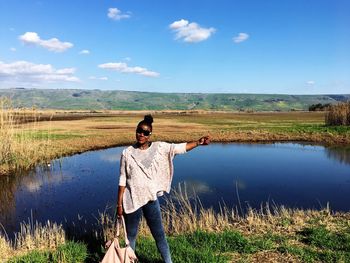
<point x="119" y="205"/>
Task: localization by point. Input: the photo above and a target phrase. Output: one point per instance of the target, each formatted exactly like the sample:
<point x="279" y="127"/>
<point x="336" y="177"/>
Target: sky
<point x="192" y="46"/>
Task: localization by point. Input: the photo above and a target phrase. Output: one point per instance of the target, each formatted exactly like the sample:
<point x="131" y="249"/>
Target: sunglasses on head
<point x="139" y="130"/>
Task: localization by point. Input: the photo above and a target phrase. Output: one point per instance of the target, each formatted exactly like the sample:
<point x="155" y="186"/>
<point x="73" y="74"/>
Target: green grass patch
<point x="308" y="254"/>
<point x="227" y="241"/>
<point x="182" y="250"/>
<point x="68" y="252"/>
<point x="320" y="245"/>
<point x="312" y="244"/>
<point x="322" y="238"/>
<point x="202" y="246"/>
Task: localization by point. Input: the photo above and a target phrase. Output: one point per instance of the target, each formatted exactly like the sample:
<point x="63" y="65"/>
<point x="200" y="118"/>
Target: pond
<point x="290" y="174"/>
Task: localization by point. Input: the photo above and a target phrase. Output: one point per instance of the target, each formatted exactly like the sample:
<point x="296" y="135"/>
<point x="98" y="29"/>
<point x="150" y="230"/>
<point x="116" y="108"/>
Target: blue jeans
<point x="151" y="212"/>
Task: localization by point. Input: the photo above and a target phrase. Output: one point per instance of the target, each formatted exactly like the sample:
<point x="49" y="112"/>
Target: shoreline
<point x="340" y="143"/>
<point x="44" y="139"/>
<point x="77" y="147"/>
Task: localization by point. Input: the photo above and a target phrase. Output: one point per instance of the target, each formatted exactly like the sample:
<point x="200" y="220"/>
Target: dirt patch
<point x="272" y="257"/>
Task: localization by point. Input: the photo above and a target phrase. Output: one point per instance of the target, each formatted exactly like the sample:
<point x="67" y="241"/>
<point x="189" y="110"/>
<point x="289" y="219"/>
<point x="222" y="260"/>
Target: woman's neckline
<point x="149" y="146"/>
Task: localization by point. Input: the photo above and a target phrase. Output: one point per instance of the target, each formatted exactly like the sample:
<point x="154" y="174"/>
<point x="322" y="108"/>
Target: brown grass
<point x="59" y="133"/>
<point x="339" y="114"/>
<point x="32" y="236"/>
<point x="182" y="214"/>
<point x="19" y="148"/>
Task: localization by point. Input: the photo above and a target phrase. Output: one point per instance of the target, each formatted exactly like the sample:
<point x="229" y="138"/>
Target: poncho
<point x="147" y="174"/>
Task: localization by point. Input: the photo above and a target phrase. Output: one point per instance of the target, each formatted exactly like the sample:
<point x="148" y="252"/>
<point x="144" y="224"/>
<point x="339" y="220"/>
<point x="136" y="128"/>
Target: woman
<point x="146" y="171"/>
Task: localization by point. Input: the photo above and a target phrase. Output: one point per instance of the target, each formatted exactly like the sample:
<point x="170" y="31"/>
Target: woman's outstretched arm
<point x="202" y="141"/>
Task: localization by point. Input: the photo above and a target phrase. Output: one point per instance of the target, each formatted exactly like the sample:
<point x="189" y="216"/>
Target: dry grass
<point x="6" y="132"/>
<point x="54" y="134"/>
<point x="32" y="236"/>
<point x="339" y="114"/>
<point x="270" y="257"/>
<point x="184" y="215"/>
<point x="38" y="236"/>
<point x="19" y="147"/>
<point x="6" y="251"/>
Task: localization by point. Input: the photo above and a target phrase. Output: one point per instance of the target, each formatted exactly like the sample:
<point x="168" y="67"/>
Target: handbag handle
<point x="124" y="228"/>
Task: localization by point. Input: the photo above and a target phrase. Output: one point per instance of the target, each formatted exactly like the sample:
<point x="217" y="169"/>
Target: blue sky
<point x="231" y="46"/>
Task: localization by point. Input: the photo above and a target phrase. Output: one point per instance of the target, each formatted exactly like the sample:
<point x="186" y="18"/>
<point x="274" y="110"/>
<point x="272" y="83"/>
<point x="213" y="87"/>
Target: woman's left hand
<point x="204" y="140"/>
<point x="119" y="211"/>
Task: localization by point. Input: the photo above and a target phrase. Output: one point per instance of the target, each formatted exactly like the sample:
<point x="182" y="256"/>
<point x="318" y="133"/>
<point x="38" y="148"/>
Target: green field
<point x="71" y="99"/>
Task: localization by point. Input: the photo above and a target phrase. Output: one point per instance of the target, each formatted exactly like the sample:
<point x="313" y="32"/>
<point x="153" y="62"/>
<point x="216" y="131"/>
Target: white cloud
<point x="240" y="38"/>
<point x="127" y="58"/>
<point x="52" y="44"/>
<point x="66" y="71"/>
<point x="24" y="72"/>
<point x="179" y="24"/>
<point x="310" y="83"/>
<point x="124" y="68"/>
<point x="84" y="52"/>
<point x="190" y="32"/>
<point x="98" y="78"/>
<point x="13" y="49"/>
<point x="116" y="14"/>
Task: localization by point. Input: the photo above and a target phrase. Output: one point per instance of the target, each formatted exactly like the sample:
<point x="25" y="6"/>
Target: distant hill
<point x="133" y="100"/>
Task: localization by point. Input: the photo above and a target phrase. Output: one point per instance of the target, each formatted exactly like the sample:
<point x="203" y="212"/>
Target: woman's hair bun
<point x="148" y="119"/>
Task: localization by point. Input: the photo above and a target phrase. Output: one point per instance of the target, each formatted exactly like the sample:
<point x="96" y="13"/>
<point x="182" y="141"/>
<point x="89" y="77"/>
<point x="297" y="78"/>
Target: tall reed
<point x="183" y="213"/>
<point x="6" y="132"/>
<point x="21" y="146"/>
<point x="339" y="114"/>
<point x="32" y="236"/>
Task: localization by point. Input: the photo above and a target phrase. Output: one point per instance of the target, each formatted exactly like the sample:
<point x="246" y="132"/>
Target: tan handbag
<point x="116" y="254"/>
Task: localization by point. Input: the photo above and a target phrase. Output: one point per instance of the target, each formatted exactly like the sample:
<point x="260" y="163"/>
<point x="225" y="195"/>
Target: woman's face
<point x="143" y="133"/>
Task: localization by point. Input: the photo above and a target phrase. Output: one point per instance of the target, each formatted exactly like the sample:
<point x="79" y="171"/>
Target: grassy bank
<point x="312" y="244"/>
<point x="195" y="234"/>
<point x="51" y="134"/>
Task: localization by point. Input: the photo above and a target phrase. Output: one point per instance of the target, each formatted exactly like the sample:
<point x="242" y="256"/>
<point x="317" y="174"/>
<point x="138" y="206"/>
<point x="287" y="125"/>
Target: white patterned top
<point x="146" y="174"/>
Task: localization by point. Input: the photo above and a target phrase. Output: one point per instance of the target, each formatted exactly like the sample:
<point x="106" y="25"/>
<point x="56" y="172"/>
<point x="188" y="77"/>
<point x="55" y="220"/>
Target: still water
<point x="290" y="174"/>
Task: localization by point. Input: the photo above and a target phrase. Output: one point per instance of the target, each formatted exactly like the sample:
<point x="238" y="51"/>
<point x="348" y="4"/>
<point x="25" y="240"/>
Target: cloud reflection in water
<point x="193" y="188"/>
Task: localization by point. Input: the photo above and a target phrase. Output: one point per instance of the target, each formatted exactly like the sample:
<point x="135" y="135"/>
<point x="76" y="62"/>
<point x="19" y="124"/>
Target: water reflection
<point x="113" y="158"/>
<point x="193" y="188"/>
<point x="8" y="189"/>
<point x="27" y="183"/>
<point x="341" y="154"/>
<point x="294" y="175"/>
<point x="239" y="184"/>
